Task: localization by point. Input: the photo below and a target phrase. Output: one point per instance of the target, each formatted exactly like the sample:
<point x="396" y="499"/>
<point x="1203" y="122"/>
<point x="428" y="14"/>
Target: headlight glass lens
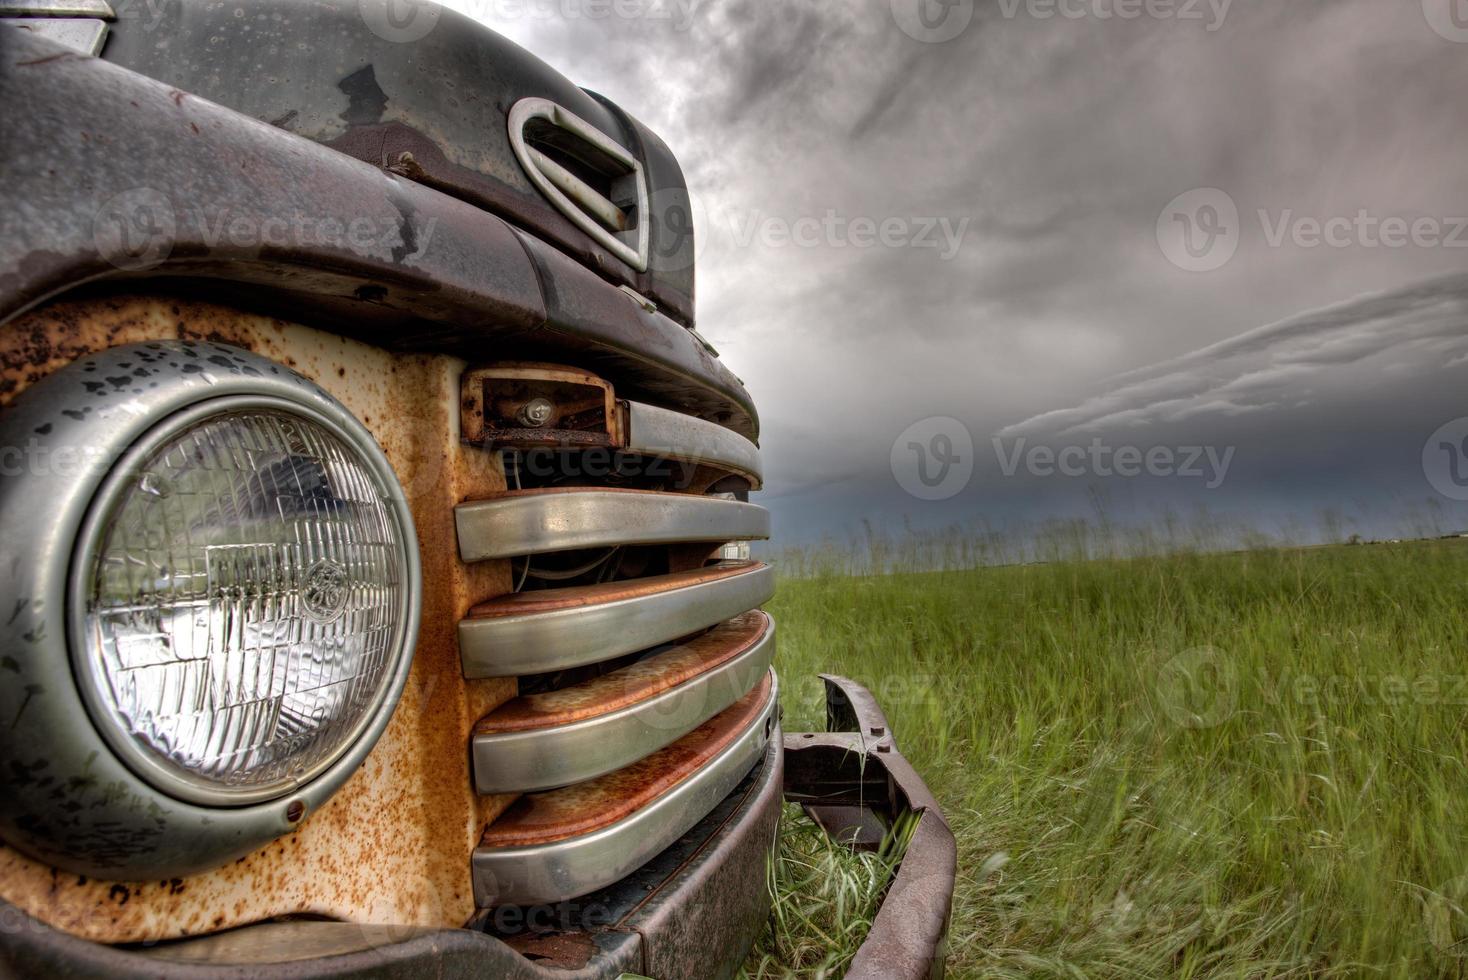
<point x="244" y="613"/>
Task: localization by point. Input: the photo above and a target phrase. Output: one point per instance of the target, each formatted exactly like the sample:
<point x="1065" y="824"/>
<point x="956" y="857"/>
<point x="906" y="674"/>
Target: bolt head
<point x="537" y="412"/>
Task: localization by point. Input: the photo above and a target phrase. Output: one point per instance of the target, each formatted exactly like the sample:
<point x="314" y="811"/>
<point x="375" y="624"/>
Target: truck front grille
<point x="644" y="666"/>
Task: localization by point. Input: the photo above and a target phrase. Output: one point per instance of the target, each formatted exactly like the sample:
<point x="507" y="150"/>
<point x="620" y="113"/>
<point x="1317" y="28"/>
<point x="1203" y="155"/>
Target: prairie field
<point x="1248" y="764"/>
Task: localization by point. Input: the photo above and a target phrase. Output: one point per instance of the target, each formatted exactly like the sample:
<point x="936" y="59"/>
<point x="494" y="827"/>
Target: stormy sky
<point x="1008" y="260"/>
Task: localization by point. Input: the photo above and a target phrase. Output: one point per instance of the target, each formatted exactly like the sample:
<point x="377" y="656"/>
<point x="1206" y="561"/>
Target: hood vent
<point x="588" y="176"/>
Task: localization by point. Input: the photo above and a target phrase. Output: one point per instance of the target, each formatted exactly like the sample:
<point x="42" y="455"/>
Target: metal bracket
<point x="853" y="781"/>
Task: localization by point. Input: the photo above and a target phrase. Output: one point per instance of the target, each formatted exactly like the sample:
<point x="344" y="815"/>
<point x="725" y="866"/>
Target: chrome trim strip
<point x="529" y="761"/>
<point x="583" y="210"/>
<point x="544" y="521"/>
<point x="653" y="431"/>
<point x="541" y="873"/>
<point x="83" y="34"/>
<point x="57" y="8"/>
<point x="534" y="642"/>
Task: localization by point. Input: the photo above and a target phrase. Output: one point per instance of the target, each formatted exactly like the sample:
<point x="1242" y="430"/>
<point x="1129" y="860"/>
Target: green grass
<point x="1244" y="765"/>
<point x="826" y="897"/>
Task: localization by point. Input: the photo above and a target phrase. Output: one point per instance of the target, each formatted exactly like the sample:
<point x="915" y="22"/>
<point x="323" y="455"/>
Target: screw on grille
<point x="536" y="413"/>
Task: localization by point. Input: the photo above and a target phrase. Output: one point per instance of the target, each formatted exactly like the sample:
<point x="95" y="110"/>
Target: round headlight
<point x="242" y="587"/>
<point x="213" y="599"/>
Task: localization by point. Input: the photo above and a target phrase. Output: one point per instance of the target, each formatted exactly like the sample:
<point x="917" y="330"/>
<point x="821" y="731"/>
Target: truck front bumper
<point x="693" y="911"/>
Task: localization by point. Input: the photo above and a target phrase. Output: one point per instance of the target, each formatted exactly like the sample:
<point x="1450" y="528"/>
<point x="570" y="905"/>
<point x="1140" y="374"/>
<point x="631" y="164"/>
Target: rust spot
<point x="409" y="815"/>
<point x="578" y="596"/>
<point x="562" y="951"/>
<point x="631" y="684"/>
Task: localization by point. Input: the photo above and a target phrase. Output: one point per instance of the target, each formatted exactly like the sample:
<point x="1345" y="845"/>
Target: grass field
<point x="1242" y="765"/>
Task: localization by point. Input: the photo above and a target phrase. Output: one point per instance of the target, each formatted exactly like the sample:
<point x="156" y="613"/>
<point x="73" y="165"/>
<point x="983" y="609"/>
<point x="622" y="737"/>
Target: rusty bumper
<point x="693" y="911"/>
<point x="853" y="782"/>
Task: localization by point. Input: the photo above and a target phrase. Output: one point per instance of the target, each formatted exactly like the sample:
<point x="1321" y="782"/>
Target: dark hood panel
<point x="426" y="95"/>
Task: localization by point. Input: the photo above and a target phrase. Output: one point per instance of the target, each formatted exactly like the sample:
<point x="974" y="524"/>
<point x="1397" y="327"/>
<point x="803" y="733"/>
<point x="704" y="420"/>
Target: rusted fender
<point x="849" y="779"/>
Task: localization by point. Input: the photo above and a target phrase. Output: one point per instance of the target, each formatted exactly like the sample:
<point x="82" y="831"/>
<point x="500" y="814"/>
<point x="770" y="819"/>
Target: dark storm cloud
<point x="1402" y="339"/>
<point x="1055" y="143"/>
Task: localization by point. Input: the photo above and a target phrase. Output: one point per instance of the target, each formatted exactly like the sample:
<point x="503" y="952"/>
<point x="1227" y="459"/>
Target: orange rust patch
<point x="541" y="818"/>
<point x="548" y="491"/>
<point x="393" y="845"/>
<point x="575" y="597"/>
<point x="630" y="685"/>
<point x="562" y="951"/>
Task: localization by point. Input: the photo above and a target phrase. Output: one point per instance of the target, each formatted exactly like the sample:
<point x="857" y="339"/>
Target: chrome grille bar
<point x="559" y="869"/>
<point x="535" y="522"/>
<point x="562" y="628"/>
<point x="653" y="431"/>
<point x="541" y="758"/>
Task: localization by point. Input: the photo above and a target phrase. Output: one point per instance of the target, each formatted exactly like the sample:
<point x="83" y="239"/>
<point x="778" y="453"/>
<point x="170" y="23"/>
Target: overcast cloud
<point x="999" y="228"/>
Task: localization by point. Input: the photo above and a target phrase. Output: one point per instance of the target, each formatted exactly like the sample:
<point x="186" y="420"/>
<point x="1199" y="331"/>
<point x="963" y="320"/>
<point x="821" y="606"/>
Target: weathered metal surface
<point x="543" y="818"/>
<point x="570" y="867"/>
<point x="57" y="8"/>
<point x="556" y="629"/>
<point x="84" y="35"/>
<point x="577" y="597"/>
<point x="392" y="846"/>
<point x="584" y="406"/>
<point x="703" y="921"/>
<point x="630" y="685"/>
<point x="81" y="796"/>
<point x="540" y="130"/>
<point x="304" y="950"/>
<point x="857" y="764"/>
<point x="642" y="713"/>
<point x="536" y="522"/>
<point x="249" y="214"/>
<point x="692" y="911"/>
<point x="856" y="827"/>
<point x="659" y="433"/>
<point x="380" y="81"/>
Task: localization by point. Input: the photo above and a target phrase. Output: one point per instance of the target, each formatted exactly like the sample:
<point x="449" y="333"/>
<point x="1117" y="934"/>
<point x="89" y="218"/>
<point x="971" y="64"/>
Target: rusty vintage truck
<point x="377" y="595"/>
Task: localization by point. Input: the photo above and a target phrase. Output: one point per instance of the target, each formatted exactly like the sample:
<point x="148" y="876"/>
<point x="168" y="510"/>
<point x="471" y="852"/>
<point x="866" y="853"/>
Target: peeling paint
<point x="393" y="846"/>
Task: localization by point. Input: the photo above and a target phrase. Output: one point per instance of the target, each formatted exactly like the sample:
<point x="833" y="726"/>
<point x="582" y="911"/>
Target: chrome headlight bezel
<point x="80" y="796"/>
